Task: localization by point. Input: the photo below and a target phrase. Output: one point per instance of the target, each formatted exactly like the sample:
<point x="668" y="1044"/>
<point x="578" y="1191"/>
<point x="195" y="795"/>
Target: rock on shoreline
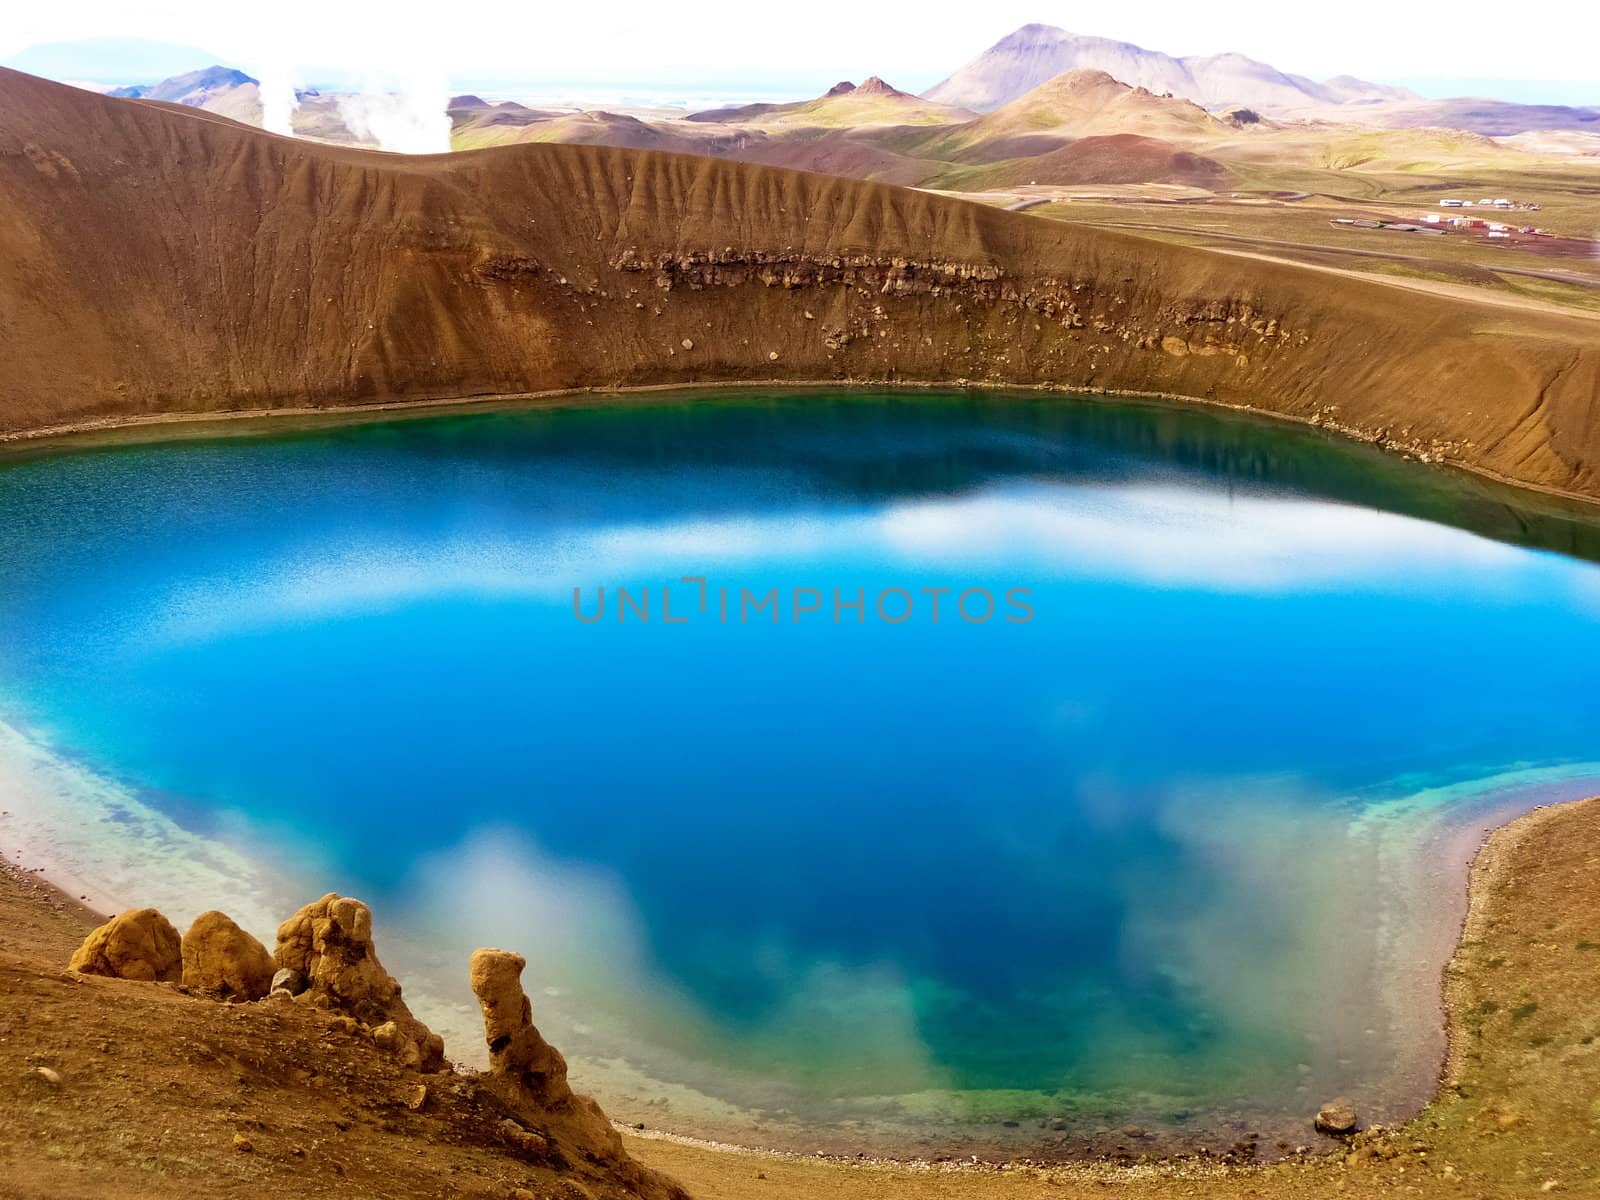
<point x="140" y="944"/>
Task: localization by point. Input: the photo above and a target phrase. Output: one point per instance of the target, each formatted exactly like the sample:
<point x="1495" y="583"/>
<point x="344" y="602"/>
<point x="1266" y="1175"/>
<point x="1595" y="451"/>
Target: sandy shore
<point x="1469" y="861"/>
<point x="1488" y="875"/>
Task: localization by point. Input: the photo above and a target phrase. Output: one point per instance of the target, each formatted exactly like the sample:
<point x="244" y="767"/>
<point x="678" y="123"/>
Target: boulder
<point x="289" y="982"/>
<point x="223" y="960"/>
<point x="48" y="1076"/>
<point x="399" y="1040"/>
<point x="139" y="944"/>
<point x="1337" y="1117"/>
<point x="329" y="943"/>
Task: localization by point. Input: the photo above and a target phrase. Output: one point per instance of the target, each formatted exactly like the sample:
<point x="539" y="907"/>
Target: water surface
<point x="1164" y="855"/>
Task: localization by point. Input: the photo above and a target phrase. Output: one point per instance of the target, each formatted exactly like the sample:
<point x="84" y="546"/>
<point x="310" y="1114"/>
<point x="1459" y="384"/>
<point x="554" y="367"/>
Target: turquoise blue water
<point x="1158" y="855"/>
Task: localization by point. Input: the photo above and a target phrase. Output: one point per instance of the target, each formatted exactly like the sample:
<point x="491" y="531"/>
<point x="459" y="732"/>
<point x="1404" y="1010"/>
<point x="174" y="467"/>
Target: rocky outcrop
<point x="516" y="1049"/>
<point x="223" y="960"/>
<point x="731" y="267"/>
<point x="139" y="944"/>
<point x="325" y="957"/>
<point x="529" y="1076"/>
<point x="1236" y="329"/>
<point x="329" y="943"/>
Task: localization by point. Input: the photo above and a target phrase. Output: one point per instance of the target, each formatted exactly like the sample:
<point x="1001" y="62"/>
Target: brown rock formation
<point x="224" y="960"/>
<point x="131" y="1091"/>
<point x="329" y="943"/>
<point x="139" y="944"/>
<point x="529" y="1076"/>
<point x="157" y="261"/>
<point x="516" y="1048"/>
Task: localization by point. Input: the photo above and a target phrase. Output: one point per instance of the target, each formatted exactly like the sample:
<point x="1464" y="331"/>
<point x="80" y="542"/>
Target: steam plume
<point x="278" y="100"/>
<point x="403" y="113"/>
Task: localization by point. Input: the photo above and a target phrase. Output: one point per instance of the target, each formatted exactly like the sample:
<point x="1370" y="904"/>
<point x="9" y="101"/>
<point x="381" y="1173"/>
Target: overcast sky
<point x="658" y="41"/>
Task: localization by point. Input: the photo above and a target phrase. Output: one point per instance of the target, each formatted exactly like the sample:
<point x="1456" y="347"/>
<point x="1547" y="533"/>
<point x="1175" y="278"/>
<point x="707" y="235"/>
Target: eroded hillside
<point x="161" y="260"/>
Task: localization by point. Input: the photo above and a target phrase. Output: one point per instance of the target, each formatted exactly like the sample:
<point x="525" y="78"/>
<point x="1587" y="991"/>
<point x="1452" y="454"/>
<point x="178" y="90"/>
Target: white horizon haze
<point x="727" y="40"/>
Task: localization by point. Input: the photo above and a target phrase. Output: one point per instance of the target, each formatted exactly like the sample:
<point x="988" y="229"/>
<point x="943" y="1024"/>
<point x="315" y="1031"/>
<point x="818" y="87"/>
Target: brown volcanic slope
<point x="1083" y="127"/>
<point x="154" y="260"/>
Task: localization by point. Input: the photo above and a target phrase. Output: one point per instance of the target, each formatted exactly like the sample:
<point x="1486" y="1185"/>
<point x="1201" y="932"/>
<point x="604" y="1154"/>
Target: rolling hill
<point x="845" y="104"/>
<point x="1084" y="103"/>
<point x="853" y="131"/>
<point x="1105" y="159"/>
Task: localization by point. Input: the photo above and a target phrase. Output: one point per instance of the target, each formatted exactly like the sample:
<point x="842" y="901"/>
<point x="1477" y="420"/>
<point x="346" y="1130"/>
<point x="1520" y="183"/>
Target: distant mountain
<point x="1020" y="62"/>
<point x="1347" y="89"/>
<point x="1493" y="118"/>
<point x="194" y="88"/>
<point x="1035" y="53"/>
